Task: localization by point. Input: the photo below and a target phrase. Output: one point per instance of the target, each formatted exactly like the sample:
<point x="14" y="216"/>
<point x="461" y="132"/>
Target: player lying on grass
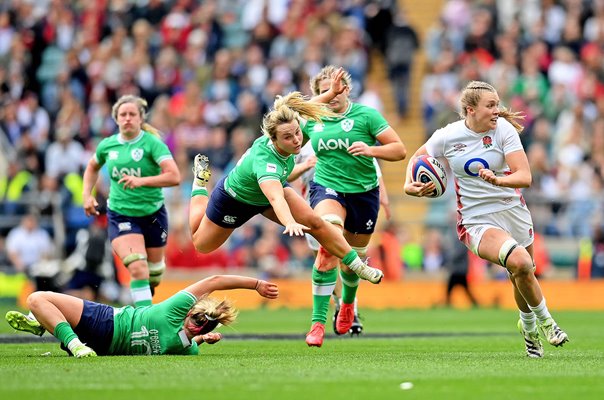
<point x="174" y="326"/>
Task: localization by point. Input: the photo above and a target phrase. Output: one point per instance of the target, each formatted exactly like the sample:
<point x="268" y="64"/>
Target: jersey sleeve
<point x="510" y="136"/>
<point x="193" y="350"/>
<point x="160" y="151"/>
<point x="176" y="307"/>
<point x="100" y="154"/>
<point x="375" y="121"/>
<point x="267" y="169"/>
<point x="436" y="143"/>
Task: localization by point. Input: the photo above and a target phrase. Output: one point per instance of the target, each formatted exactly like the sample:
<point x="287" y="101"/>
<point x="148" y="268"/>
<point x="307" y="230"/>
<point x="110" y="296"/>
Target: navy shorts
<point x="82" y="279"/>
<point x="96" y="327"/>
<point x="153" y="227"/>
<point x="361" y="208"/>
<point x="227" y="212"/>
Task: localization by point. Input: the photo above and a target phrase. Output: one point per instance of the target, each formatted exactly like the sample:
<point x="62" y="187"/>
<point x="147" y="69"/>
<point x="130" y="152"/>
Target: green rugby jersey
<point x="260" y="163"/>
<point x="139" y="157"/>
<point x="336" y="168"/>
<point x="155" y="329"/>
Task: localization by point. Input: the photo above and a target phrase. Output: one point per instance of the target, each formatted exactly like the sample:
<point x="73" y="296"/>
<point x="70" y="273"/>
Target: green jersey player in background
<point x="257" y="185"/>
<point x="139" y="165"/>
<point x="177" y="325"/>
<point x="301" y="177"/>
<point x="345" y="190"/>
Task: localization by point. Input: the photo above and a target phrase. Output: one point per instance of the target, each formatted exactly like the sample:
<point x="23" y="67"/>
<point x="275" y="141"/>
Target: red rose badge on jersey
<point x="487" y="142"/>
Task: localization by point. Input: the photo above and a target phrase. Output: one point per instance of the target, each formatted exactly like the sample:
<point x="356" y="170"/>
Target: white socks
<point x="541" y="311"/>
<point x="529" y="321"/>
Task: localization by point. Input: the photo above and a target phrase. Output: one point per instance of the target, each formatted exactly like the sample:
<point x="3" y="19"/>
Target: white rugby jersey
<point x="466" y="152"/>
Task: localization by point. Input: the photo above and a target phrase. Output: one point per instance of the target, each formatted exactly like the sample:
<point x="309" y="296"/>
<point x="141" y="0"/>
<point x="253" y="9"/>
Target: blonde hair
<point x="470" y="97"/>
<point x="326" y="73"/>
<point x="208" y="312"/>
<point x="141" y="105"/>
<point x="289" y="107"/>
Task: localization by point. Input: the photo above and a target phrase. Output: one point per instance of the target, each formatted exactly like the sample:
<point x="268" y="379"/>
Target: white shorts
<point x="516" y="221"/>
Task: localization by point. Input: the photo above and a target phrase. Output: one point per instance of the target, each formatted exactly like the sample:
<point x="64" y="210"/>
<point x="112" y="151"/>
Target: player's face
<point x="129" y="119"/>
<point x="289" y="138"/>
<point x="339" y="103"/>
<point x="485" y="114"/>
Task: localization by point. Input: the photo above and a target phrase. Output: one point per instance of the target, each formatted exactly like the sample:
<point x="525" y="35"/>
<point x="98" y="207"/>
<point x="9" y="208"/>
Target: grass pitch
<point x="444" y="354"/>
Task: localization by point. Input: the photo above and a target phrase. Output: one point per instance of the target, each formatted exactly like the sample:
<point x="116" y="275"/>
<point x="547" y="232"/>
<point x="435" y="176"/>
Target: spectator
<point x="64" y="155"/>
<point x="401" y="44"/>
<point x="27" y="245"/>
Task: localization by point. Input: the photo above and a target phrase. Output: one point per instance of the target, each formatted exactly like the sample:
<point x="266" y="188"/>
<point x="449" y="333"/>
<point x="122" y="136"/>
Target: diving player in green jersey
<point x="345" y="190"/>
<point x="257" y="185"/>
<point x="177" y="325"/>
<point x="139" y="165"/>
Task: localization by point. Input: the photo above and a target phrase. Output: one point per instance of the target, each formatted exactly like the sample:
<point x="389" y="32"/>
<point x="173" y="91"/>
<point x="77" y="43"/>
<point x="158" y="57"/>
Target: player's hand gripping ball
<point x="426" y="169"/>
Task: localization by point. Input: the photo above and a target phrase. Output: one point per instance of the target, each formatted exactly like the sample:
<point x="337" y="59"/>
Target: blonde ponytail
<point x="292" y="106"/>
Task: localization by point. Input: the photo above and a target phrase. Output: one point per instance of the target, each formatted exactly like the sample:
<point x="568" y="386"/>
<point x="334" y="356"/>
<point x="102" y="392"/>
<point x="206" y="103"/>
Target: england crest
<point x="347" y="124"/>
<point x="137" y="154"/>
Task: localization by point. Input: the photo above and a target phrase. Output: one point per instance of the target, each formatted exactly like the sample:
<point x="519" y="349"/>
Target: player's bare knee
<point x="519" y="263"/>
<point x="34" y="300"/>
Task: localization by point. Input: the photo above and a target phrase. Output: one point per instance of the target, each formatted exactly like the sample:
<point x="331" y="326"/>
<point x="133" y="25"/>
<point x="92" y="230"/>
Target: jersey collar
<point x="342" y="115"/>
<point x="138" y="137"/>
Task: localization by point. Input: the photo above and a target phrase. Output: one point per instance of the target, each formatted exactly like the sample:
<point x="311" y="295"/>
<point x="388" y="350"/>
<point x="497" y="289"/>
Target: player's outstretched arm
<point x="228" y="282"/>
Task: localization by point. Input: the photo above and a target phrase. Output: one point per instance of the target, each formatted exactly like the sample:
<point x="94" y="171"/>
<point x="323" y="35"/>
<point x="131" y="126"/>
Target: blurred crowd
<point x="210" y="68"/>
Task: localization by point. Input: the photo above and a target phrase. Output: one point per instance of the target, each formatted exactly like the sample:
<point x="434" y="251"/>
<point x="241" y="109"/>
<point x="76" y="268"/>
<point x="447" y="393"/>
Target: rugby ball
<point x="427" y="169"/>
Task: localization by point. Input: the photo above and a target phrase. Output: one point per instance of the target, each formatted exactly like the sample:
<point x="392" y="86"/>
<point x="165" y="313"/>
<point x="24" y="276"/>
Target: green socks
<point x="350" y="284"/>
<point x="323" y="284"/>
<point x="141" y="292"/>
<point x="64" y="333"/>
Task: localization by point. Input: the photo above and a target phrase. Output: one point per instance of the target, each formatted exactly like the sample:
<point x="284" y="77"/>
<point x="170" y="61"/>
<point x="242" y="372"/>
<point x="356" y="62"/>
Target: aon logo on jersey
<point x="333" y="144"/>
<point x="118" y="173"/>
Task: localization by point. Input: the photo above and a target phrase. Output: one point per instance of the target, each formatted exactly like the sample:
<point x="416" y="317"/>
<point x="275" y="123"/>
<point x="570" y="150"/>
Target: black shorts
<point x="361" y="208"/>
<point x="96" y="326"/>
<point x="153" y="227"/>
<point x="228" y="212"/>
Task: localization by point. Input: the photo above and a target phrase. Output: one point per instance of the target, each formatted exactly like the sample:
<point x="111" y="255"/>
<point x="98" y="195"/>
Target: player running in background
<point x="257" y="185"/>
<point x="139" y="165"/>
<point x="345" y="190"/>
<point x="305" y="171"/>
<point x="490" y="167"/>
<point x="177" y="325"/>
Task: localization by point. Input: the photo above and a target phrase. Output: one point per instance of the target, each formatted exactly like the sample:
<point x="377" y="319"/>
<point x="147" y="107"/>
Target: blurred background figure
<point x="29" y="247"/>
<point x="91" y="264"/>
<point x="457" y="264"/>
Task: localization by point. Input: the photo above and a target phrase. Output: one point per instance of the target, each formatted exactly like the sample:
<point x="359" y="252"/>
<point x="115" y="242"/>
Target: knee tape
<point x="506" y="249"/>
<point x="361" y="251"/>
<point x="333" y="219"/>
<point x="156" y="271"/>
<point x="130" y="258"/>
